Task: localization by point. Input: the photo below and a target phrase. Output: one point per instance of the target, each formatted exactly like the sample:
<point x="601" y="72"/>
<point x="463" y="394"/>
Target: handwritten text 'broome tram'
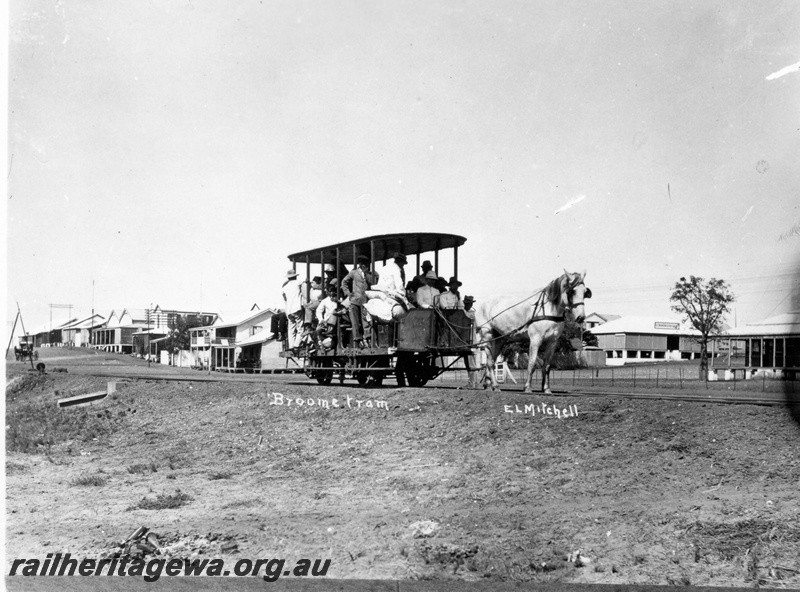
<point x="348" y="403"/>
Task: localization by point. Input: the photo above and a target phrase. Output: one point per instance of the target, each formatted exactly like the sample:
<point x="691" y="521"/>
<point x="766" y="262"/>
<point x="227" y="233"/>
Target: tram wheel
<point x="416" y="379"/>
<point x="325" y="377"/>
<point x="369" y="379"/>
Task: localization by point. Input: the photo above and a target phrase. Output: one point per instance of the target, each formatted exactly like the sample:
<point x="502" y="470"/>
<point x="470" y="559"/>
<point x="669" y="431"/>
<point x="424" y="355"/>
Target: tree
<point x="703" y="305"/>
<point x="179" y="338"/>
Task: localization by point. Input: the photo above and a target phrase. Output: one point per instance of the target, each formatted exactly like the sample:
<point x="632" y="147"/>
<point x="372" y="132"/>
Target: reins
<point x="539" y="305"/>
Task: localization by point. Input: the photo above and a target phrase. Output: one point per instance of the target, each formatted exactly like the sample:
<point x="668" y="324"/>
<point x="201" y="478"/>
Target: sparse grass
<point x="177" y="460"/>
<point x="12" y="468"/>
<point x="37" y="425"/>
<point x="733" y="540"/>
<point x="141" y="468"/>
<point x="217" y="475"/>
<point x="242" y="504"/>
<point x="89" y="481"/>
<point x="163" y="501"/>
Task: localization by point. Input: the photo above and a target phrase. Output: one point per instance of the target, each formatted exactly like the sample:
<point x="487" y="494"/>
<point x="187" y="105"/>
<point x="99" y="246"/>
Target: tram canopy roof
<point x="380" y="247"/>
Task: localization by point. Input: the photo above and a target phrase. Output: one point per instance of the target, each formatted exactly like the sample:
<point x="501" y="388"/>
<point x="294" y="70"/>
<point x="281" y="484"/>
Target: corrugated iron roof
<point x="239" y="319"/>
<point x="259" y="337"/>
<point x="645" y="325"/>
<point x="787" y="323"/>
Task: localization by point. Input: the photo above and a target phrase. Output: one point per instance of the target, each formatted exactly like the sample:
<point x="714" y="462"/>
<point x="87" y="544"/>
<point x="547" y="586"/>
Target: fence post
<point x="680" y="375"/>
<point x="592" y="373"/>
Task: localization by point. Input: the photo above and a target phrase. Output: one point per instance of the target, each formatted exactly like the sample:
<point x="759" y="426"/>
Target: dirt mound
<point x="428" y="483"/>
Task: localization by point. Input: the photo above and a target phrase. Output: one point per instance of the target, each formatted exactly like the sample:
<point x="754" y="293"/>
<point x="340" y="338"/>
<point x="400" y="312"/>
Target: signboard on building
<point x="673" y="326"/>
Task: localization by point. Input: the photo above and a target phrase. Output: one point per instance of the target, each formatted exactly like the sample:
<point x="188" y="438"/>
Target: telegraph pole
<point x="60" y="306"/>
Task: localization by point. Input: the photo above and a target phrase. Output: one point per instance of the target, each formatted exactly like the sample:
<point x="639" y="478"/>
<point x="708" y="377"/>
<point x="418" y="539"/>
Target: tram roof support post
<point x="308" y="278"/>
<point x="338" y="279"/>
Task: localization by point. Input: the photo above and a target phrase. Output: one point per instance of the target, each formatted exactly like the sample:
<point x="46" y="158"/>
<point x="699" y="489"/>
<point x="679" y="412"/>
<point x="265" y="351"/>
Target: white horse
<point x="538" y="319"/>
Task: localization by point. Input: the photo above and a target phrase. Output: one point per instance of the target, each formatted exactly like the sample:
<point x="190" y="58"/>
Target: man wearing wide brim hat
<point x="295" y="300"/>
<point x="426" y="294"/>
<point x="471" y="361"/>
<point x="450" y="298"/>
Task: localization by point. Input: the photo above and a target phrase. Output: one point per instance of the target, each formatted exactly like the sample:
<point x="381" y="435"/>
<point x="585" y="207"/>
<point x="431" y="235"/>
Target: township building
<point x="245" y="342"/>
<point x="632" y="339"/>
<point x="771" y="346"/>
<point x="595" y="319"/>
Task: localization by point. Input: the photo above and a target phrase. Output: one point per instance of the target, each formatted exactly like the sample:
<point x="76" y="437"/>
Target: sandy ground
<point x="405" y="483"/>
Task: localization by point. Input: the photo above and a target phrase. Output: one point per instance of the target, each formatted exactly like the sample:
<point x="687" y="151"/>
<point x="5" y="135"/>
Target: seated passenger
<point x="426" y="267"/>
<point x="411" y="290"/>
<point x="427" y="294"/>
<point x="314" y="299"/>
<point x="330" y="275"/>
<point x="449" y="298"/>
<point x="326" y="319"/>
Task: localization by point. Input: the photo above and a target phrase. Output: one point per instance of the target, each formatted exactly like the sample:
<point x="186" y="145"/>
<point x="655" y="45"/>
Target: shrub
<point x="163" y="501"/>
<point x="89" y="481"/>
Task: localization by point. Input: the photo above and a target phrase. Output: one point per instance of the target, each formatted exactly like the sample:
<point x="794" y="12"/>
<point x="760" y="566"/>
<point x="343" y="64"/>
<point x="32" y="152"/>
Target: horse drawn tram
<point x="413" y="344"/>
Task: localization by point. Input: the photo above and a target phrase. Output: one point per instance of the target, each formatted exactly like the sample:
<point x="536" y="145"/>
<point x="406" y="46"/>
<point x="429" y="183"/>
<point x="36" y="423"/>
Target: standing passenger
<point x="294" y="298"/>
<point x="471" y="361"/>
<point x="392" y="277"/>
<point x="355" y="286"/>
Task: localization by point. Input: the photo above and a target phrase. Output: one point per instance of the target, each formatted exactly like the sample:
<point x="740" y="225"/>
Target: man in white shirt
<point x="392" y="278"/>
<point x="295" y="299"/>
<point x="326" y="318"/>
<point x="426" y="294"/>
<point x="449" y="298"/>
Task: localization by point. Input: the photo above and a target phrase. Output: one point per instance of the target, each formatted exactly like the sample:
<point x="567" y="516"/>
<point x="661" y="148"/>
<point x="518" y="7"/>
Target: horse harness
<point x="540" y="305"/>
<point x="537" y="306"/>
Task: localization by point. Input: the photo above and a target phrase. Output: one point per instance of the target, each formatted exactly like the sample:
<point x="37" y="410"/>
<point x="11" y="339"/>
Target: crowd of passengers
<point x="314" y="311"/>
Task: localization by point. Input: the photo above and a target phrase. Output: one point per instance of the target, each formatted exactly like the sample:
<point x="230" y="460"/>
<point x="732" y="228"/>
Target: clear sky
<point x="175" y="152"/>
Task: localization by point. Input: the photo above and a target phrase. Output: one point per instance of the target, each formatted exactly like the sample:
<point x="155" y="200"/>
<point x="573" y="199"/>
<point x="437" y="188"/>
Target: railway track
<point x="764" y="399"/>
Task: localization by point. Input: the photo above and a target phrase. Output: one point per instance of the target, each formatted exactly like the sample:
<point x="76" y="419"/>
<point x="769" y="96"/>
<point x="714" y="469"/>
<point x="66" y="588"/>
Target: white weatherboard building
<point x="632" y="339"/>
<point x="771" y="346"/>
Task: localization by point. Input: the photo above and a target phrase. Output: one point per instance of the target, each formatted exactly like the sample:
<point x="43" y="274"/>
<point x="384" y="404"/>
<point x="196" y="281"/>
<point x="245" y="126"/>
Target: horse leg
<point x="547" y="355"/>
<point x="492" y="352"/>
<point x="533" y="352"/>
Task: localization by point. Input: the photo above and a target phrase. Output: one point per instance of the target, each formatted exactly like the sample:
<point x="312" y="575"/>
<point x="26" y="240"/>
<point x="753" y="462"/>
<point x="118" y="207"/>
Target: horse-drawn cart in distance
<point x="418" y="345"/>
<point x="25" y="350"/>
